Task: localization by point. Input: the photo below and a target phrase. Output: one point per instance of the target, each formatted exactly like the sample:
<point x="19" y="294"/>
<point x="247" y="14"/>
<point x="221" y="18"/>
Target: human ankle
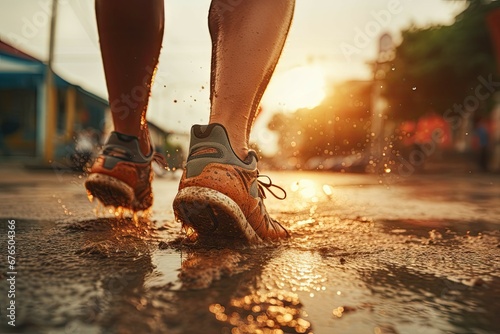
<point x="145" y="144"/>
<point x="241" y="153"/>
<point x="238" y="144"/>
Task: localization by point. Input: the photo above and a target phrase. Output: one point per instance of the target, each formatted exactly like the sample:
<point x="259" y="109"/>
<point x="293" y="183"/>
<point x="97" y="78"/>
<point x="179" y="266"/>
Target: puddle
<point x="354" y="264"/>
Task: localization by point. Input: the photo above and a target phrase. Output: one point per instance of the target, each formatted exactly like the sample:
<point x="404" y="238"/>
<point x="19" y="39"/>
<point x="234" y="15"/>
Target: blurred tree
<point x="439" y="66"/>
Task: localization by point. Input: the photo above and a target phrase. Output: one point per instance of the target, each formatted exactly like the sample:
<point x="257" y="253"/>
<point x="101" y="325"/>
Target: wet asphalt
<point x="368" y="254"/>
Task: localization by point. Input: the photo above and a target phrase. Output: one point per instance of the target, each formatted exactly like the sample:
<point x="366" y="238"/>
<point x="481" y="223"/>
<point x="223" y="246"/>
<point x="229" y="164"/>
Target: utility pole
<point x="51" y="93"/>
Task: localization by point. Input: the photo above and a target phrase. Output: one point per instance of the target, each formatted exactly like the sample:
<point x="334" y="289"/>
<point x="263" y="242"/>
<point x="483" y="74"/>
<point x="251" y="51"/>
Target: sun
<point x="297" y="88"/>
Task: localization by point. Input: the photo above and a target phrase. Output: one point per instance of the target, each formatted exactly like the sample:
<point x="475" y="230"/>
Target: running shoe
<point x="121" y="176"/>
<point x="220" y="196"/>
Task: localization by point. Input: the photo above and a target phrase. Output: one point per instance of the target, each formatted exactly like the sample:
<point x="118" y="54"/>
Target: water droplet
<point x="414" y="88"/>
<point x="338" y="311"/>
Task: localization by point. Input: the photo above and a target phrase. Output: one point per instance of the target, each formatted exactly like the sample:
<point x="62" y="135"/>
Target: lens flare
<point x="297" y="88"/>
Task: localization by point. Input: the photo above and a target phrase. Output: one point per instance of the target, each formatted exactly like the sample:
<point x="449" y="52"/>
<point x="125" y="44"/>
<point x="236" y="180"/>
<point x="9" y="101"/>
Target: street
<point x="368" y="254"/>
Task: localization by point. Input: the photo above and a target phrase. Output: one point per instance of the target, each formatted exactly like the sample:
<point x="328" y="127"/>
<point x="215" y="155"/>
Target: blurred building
<point x="80" y="115"/>
<point x="23" y="107"/>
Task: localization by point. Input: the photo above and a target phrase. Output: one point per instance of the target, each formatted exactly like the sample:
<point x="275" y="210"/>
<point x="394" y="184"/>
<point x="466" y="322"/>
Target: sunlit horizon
<point x="302" y="87"/>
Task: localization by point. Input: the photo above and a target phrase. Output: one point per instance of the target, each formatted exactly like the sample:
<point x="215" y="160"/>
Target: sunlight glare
<point x="297" y="88"/>
<point x="306" y="188"/>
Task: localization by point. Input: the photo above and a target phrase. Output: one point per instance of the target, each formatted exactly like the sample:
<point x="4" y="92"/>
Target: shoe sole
<point x="213" y="215"/>
<point x="110" y="191"/>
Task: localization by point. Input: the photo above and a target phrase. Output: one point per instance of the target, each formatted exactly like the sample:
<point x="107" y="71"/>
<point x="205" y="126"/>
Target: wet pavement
<point x="368" y="254"/>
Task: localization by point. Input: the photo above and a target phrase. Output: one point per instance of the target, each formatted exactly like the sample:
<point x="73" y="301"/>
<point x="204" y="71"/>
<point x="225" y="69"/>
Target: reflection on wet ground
<point x="364" y="257"/>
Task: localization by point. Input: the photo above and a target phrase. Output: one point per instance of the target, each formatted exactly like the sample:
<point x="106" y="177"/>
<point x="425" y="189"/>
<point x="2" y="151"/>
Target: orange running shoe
<point x="121" y="176"/>
<point x="219" y="195"/>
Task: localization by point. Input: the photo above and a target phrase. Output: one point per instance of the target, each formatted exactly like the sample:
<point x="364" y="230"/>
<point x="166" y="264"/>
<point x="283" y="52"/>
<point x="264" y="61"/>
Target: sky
<point x="329" y="41"/>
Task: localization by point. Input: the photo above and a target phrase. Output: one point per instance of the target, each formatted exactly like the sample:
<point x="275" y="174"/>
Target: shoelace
<point x="267" y="186"/>
<point x="160" y="160"/>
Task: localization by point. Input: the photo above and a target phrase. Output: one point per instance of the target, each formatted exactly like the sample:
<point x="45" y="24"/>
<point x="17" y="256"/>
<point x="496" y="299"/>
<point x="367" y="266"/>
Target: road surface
<point x="368" y="254"/>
